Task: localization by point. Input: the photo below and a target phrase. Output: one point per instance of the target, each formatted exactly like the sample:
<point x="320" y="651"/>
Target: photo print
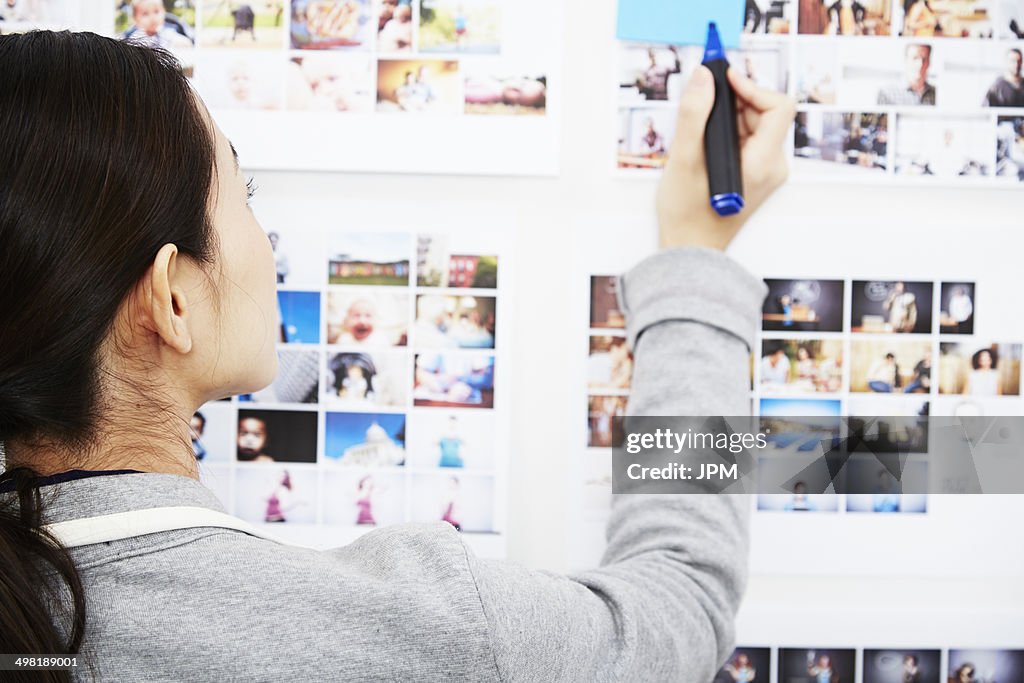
<point x="442" y="261"/>
<point x="610" y="364"/>
<point x="850" y="142"/>
<point x="330" y="82"/>
<point x="645" y="136"/>
<point x="331" y="24"/>
<point x="300" y="317"/>
<point x="1010" y="148"/>
<point x="454" y="322"/>
<point x="604" y="303"/>
<point x="212" y="431"/>
<point x="800" y="366"/>
<point x="461" y="26"/>
<point x="746" y="664"/>
<point x="844" y="18"/>
<point x="829" y="664"/>
<point x="451" y="439"/>
<point x="789" y="483"/>
<point x="276" y="494"/>
<point x="874" y="488"/>
<point x="944" y="147"/>
<point x="369" y="259"/>
<point x="453" y="380"/>
<point x="979" y="369"/>
<point x="361" y="380"/>
<point x="241" y="80"/>
<point x="956" y="313"/>
<point x="985" y="666"/>
<point x="962" y="19"/>
<point x="268" y="436"/>
<point x="463" y="500"/>
<point x="370" y="318"/>
<point x="394" y="25"/>
<point x="769" y="16"/>
<point x="297" y="379"/>
<point x="254" y="25"/>
<point x="899" y="366"/>
<point x="364" y="498"/>
<point x="492" y="90"/>
<point x="298" y="255"/>
<point x="884" y="307"/>
<point x="902" y="666"/>
<point x="803" y="306"/>
<point x="601" y="410"/>
<point x="365" y="439"/>
<point x="419" y="85"/>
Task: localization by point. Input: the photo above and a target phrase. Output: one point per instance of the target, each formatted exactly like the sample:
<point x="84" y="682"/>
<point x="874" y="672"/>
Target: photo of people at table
<point x="856" y="141"/>
<point x="802" y="366"/>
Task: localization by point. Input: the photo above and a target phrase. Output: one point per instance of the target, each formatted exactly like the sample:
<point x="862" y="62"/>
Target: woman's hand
<point x="685" y="216"/>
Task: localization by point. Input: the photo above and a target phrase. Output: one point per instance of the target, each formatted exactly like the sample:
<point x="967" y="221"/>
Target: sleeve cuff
<point x="694" y="284"/>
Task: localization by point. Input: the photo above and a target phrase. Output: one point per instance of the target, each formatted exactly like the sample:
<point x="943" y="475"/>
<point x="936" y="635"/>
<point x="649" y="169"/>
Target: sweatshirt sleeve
<point x="661" y="606"/>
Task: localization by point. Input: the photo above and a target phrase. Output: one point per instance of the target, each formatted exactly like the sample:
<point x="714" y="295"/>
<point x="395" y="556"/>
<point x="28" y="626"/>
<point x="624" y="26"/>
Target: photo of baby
<point x="645" y="136"/>
<point x="890" y="367"/>
<point x="276" y="436"/>
<point x="300" y="317"/>
<point x="847" y="142"/>
<point x="419" y="86"/>
<point x="463" y="26"/>
<point x="331" y="24"/>
<point x="367" y="318"/>
<point x="450" y="322"/>
<point x="250" y="25"/>
<point x="610" y="364"/>
<point x="364" y="380"/>
<point x="241" y="80"/>
<point x="979" y="370"/>
<point x="165" y="24"/>
<point x="330" y="82"/>
<point x="296" y="380"/>
<point x="394" y="25"/>
<point x="365" y="439"/>
<point x="802" y="366"/>
<point x="369" y="259"/>
<point x="454" y="380"/>
<point x="846" y="17"/>
<point x="891" y="307"/>
<point x="491" y="93"/>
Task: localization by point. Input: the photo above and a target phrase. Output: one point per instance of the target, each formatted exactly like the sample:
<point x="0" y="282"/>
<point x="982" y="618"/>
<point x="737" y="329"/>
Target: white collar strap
<point x="121" y="525"/>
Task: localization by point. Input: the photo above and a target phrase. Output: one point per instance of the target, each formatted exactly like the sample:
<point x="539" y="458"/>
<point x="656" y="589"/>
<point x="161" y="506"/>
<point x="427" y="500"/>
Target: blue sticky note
<point x="680" y="22"/>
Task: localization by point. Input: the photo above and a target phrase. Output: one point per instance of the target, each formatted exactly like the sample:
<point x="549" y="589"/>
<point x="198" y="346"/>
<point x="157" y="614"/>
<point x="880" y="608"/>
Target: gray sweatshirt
<point x="411" y="602"/>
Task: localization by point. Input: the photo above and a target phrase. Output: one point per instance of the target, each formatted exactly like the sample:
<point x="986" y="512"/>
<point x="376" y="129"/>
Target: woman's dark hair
<point x="105" y="157"/>
<point x="992" y="353"/>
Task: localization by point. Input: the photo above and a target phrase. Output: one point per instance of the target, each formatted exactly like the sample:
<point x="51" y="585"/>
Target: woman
<point x="138" y="285"/>
<point x="921" y="20"/>
<point x="983" y="379"/>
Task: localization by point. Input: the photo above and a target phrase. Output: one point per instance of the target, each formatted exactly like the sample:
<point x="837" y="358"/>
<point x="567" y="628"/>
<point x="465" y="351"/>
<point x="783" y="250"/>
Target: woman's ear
<point x="163" y="301"/>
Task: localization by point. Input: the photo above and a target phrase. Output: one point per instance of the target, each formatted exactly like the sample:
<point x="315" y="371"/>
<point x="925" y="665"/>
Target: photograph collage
<point x="383" y="408"/>
<point x="919" y="90"/>
<point x="362" y="56"/>
<point x="854" y="364"/>
<point x="871" y="665"/>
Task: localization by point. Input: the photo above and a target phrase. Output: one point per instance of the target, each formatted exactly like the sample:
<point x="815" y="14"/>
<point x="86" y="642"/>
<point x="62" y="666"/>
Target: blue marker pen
<point x="722" y="137"/>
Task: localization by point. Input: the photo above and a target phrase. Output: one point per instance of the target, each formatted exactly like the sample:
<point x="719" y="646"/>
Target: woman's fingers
<point x="694" y="110"/>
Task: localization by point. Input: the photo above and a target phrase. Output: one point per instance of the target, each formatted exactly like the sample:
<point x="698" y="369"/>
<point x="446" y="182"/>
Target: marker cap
<point x="728" y="204"/>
